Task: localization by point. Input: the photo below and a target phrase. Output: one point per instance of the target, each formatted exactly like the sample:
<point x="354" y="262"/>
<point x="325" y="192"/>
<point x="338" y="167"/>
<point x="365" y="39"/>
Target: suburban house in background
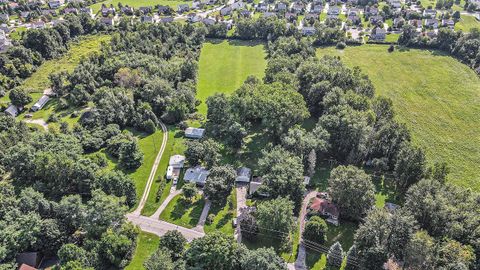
<point x="197" y="175"/>
<point x="243" y="175"/>
<point x="194" y="133"/>
<point x="175" y="166"/>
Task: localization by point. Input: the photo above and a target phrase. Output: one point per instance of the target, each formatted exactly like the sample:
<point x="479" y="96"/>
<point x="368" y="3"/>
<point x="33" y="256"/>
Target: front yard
<point x="181" y="212"/>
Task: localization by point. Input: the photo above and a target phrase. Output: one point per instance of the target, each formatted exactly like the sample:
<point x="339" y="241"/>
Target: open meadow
<point x="224" y="66"/>
<point x="86" y="45"/>
<point x="435" y="95"/>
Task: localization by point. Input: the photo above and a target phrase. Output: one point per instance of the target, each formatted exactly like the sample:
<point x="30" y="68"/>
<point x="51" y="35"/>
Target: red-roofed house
<point x="325" y="208"/>
<point x="26" y="267"/>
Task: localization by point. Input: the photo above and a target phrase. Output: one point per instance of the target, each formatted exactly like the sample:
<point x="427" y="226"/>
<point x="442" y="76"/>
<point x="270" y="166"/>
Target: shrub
<point x="53" y="118"/>
<point x="210" y="219"/>
<point x="160" y="189"/>
<point x="341" y="45"/>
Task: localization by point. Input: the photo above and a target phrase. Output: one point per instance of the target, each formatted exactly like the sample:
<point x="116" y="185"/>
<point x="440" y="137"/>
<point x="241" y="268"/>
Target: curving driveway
<point x="143" y="200"/>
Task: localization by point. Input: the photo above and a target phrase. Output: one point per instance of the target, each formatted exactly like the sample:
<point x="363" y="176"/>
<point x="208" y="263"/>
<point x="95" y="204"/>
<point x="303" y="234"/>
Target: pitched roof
<point x="324" y="206"/>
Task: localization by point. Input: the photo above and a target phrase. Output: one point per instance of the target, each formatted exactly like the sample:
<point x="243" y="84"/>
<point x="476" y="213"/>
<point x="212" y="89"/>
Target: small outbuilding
<point x="194" y="133"/>
<point x="243" y="175"/>
<point x="40" y="103"/>
<point x="13" y="110"/>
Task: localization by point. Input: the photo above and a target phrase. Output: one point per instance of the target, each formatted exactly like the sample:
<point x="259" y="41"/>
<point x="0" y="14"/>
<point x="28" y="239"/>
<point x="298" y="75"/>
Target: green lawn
<point x="183" y="213"/>
<point x="175" y="145"/>
<point x="224" y="66"/>
<point x="39" y="80"/>
<point x="147" y="243"/>
<point x="466" y="23"/>
<point x="392" y="38"/>
<point x="138" y="3"/>
<point x="223" y="216"/>
<point x="435" y="95"/>
<point x="149" y="145"/>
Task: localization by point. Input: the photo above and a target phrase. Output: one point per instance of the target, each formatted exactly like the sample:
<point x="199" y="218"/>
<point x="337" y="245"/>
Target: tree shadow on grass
<point x="225" y="219"/>
<point x="196" y="212"/>
<point x="247" y="43"/>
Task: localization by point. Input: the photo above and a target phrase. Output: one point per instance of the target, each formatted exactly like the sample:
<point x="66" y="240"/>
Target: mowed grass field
<point x="435" y="95"/>
<point x="39" y="80"/>
<point x="467" y="23"/>
<point x="147" y="244"/>
<point x="138" y="3"/>
<point x="224" y="66"/>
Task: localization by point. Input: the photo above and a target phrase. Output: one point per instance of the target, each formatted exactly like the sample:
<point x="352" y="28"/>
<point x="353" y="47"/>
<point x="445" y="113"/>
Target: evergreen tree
<point x="335" y="255"/>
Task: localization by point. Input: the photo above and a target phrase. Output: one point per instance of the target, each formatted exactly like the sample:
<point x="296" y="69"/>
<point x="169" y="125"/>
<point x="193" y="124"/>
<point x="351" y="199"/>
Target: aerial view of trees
<point x="66" y="190"/>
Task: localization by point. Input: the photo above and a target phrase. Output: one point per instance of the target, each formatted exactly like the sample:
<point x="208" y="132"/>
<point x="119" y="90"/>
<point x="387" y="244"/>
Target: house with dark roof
<point x="226" y="11"/>
<point x="183" y="8"/>
<point x="378" y="33"/>
<point x="127" y="10"/>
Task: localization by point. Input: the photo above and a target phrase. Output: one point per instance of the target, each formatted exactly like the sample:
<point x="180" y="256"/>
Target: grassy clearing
<point x="224" y="66"/>
<point x="467" y="23"/>
<point x="181" y="212"/>
<point x="147" y="243"/>
<point x="39" y="80"/>
<point x="435" y="95"/>
<point x="175" y="145"/>
<point x="223" y="216"/>
<point x="138" y="3"/>
<point x="392" y="38"/>
<point x="149" y="145"/>
<point x="264" y="240"/>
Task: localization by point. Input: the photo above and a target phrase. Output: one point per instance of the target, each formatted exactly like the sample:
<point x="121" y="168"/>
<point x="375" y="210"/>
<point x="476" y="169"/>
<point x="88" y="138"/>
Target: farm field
<point x="147" y="243"/>
<point x="435" y="95"/>
<point x="138" y="3"/>
<point x="467" y="23"/>
<point x="224" y="66"/>
<point x="39" y="80"/>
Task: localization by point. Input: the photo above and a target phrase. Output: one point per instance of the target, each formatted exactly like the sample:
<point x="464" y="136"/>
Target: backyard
<point x="183" y="212"/>
<point x="435" y="95"/>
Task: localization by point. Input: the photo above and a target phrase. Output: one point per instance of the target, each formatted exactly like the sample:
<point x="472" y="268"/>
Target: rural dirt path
<point x="302" y="254"/>
<point x="241" y="191"/>
<point x="40" y="122"/>
<point x="173" y="193"/>
<point x="143" y="200"/>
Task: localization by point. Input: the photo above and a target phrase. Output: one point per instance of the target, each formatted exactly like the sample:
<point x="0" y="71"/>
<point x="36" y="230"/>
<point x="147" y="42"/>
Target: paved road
<point x="160" y="227"/>
<point x="203" y="216"/>
<point x="143" y="200"/>
<point x="173" y="193"/>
